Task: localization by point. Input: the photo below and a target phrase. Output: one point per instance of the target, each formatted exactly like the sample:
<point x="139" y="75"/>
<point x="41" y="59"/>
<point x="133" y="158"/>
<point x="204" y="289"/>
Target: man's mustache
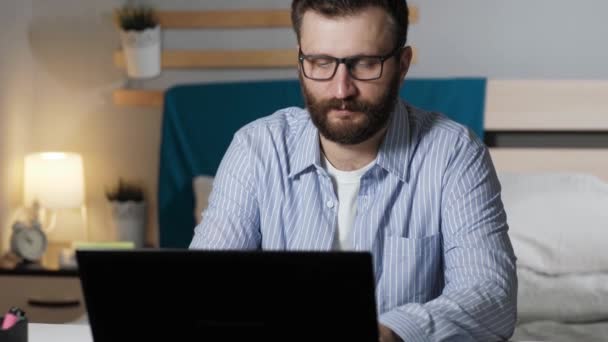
<point x="350" y="105"/>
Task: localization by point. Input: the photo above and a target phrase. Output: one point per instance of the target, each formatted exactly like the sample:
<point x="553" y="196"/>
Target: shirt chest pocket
<point x="411" y="270"/>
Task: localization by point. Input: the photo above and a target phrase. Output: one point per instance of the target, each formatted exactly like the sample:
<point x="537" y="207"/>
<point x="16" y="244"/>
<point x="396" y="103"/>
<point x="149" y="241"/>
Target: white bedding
<point x="559" y="230"/>
<point x="558" y="221"/>
<point x="561" y="332"/>
<point x="573" y="298"/>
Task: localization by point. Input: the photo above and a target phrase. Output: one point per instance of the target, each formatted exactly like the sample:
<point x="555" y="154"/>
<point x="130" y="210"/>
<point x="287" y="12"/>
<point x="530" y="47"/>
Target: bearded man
<point x="361" y="170"/>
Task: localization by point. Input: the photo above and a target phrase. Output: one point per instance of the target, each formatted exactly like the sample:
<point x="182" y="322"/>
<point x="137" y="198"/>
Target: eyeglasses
<point x="362" y="68"/>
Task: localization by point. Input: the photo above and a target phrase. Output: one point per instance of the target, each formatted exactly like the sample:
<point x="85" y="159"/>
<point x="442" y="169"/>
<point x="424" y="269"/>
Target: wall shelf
<point x="137" y="97"/>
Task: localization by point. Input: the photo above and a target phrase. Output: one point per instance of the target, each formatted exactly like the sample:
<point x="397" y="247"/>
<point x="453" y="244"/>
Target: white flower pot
<point x="129" y="221"/>
<point x="142" y="51"/>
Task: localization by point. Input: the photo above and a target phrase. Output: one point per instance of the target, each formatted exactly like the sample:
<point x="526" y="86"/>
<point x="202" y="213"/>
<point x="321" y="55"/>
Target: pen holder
<point x="17" y="333"/>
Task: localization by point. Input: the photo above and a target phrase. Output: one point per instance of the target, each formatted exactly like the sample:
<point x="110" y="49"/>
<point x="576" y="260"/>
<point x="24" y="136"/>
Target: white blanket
<point x="558" y="221"/>
<point x="566" y="298"/>
<point x="561" y="332"/>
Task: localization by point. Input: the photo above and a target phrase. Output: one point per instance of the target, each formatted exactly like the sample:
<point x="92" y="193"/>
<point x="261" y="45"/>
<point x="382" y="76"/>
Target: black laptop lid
<point x="228" y="295"/>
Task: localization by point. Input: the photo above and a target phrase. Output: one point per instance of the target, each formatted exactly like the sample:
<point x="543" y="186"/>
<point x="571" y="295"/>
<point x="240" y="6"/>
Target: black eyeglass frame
<point x="348" y="61"/>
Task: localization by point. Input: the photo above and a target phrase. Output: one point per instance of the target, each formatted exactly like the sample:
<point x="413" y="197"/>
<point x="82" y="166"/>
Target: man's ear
<point x="405" y="60"/>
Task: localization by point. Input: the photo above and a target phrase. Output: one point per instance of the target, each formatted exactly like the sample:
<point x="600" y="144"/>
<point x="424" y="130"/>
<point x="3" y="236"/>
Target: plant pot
<point x="129" y="221"/>
<point x="142" y="51"/>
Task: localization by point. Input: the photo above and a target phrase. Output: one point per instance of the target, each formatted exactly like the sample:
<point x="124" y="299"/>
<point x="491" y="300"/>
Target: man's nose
<point x="343" y="85"/>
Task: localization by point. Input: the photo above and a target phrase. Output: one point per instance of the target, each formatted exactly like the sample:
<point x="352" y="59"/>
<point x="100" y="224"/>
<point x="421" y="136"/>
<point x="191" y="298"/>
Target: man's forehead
<point x="365" y="32"/>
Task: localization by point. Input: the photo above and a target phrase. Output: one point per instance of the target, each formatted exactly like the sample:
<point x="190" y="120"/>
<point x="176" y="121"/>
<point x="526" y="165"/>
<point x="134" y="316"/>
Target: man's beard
<point x="376" y="114"/>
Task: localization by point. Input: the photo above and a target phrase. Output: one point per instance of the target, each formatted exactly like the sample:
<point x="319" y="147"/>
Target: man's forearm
<point x="473" y="314"/>
<point x="387" y="335"/>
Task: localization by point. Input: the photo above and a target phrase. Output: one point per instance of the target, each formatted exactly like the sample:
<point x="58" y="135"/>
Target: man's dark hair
<point x="397" y="9"/>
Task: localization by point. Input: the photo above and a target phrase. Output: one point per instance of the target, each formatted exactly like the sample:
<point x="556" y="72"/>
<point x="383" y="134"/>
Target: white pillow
<point x="558" y="222"/>
<point x="565" y="298"/>
<point x="202" y="186"/>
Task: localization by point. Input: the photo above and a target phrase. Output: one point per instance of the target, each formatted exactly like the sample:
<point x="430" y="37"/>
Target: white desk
<point x="59" y="333"/>
<point x="65" y="333"/>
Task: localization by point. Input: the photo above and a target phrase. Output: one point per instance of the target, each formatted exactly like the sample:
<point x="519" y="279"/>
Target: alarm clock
<point x="28" y="242"/>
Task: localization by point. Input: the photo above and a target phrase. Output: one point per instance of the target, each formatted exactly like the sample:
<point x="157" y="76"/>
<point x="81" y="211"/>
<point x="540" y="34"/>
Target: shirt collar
<point x="393" y="155"/>
<point x="306" y="150"/>
<point x="395" y="151"/>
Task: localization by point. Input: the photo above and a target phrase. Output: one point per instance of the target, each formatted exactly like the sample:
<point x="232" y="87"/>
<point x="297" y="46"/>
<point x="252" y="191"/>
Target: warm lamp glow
<point x="54" y="179"/>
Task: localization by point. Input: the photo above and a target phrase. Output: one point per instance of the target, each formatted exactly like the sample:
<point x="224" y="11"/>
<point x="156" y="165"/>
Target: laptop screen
<point x="228" y="295"/>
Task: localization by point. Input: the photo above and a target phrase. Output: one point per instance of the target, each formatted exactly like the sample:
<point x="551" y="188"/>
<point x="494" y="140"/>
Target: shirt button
<point x="330" y="204"/>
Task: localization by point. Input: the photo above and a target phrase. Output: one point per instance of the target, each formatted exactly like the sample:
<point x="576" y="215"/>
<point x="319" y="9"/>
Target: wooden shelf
<point x="224" y="19"/>
<point x="217" y="59"/>
<point x="138" y="97"/>
<point x="414" y="14"/>
<point x="236" y="18"/>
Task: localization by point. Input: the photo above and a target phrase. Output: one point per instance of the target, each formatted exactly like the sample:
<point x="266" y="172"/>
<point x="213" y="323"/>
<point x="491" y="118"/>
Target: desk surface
<point x="59" y="333"/>
<point x="39" y="272"/>
<point x="65" y="333"/>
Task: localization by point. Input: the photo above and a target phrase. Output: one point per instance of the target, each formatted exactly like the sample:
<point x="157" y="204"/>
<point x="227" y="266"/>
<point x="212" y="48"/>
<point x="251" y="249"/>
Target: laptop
<point x="195" y="295"/>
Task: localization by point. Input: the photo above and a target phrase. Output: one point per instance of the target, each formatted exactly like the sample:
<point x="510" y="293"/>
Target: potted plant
<point x="128" y="212"/>
<point x="141" y="40"/>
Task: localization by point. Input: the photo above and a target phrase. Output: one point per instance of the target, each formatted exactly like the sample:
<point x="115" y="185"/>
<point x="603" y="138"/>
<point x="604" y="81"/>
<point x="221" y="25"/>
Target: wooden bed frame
<point x="590" y="161"/>
<point x="548" y="106"/>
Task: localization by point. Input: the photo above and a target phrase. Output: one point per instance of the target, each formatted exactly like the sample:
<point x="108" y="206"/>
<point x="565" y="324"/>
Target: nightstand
<point x="47" y="296"/>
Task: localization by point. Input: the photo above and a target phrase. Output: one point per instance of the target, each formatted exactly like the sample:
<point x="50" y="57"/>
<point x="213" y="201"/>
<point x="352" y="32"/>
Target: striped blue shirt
<point x="429" y="211"/>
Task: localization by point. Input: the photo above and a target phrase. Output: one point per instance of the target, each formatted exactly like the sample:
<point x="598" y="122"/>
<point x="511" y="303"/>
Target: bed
<point x="557" y="208"/>
<point x="556" y="201"/>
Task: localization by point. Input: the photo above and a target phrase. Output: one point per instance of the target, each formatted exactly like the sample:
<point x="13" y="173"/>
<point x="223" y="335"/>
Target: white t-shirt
<point x="346" y="185"/>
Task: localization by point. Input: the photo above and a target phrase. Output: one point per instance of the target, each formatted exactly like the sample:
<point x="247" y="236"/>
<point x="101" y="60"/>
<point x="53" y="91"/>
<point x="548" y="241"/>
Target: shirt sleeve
<point x="231" y="221"/>
<point x="479" y="300"/>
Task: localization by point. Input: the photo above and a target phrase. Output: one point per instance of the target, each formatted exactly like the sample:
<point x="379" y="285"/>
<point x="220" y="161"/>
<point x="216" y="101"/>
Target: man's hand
<point x="387" y="335"/>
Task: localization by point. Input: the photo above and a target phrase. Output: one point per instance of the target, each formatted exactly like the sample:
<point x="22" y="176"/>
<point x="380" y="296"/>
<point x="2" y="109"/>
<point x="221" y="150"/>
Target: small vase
<point x="142" y="51"/>
<point x="129" y="221"/>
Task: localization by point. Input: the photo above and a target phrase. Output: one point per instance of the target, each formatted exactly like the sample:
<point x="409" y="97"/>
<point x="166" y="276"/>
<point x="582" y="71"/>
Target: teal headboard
<point x="199" y="121"/>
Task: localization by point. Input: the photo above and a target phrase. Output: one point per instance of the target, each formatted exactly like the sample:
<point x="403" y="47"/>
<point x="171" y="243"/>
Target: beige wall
<point x="16" y="78"/>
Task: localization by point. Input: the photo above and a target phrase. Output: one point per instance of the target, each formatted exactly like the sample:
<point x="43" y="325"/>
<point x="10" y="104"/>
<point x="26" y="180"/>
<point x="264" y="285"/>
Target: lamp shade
<point x="54" y="179"/>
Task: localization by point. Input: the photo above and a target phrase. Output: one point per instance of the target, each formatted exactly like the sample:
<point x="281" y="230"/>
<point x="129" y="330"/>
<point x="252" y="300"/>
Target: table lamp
<point x="52" y="181"/>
